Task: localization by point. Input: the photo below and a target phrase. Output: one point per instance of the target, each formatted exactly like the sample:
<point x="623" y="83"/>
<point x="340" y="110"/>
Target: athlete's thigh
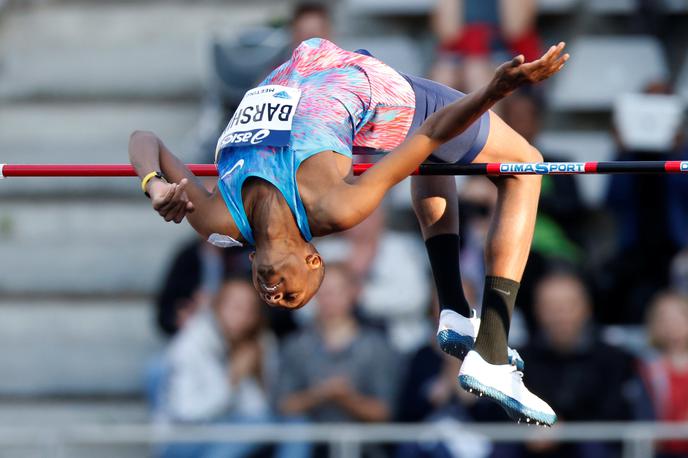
<point x="504" y="144"/>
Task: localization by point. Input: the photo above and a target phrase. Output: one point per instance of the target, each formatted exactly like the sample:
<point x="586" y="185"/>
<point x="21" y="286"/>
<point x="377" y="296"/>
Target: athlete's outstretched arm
<point x="353" y="203"/>
<point x="183" y="194"/>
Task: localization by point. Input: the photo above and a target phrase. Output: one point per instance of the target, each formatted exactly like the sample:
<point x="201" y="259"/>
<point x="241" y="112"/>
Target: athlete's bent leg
<point x="509" y="238"/>
<point x="436" y="205"/>
<point x="486" y="370"/>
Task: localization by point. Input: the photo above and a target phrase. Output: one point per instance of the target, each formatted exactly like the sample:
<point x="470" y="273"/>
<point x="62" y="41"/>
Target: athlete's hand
<point x="514" y="74"/>
<point x="170" y="199"/>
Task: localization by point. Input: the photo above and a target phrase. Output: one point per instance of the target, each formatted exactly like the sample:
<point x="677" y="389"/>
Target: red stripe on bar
<point x="673" y="166"/>
<point x="591" y="167"/>
<point x="493" y="168"/>
<point x="89" y="170"/>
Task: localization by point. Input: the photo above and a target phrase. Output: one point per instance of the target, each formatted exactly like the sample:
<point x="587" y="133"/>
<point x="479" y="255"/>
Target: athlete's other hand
<point x="516" y="73"/>
<point x="170" y="199"/>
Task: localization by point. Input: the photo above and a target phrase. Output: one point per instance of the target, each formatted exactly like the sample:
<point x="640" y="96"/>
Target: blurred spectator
<point x="392" y="270"/>
<point x="475" y="35"/>
<point x="581" y="377"/>
<point x="666" y="375"/>
<point x="221" y="367"/>
<point x="651" y="211"/>
<point x="194" y="276"/>
<point x="337" y="370"/>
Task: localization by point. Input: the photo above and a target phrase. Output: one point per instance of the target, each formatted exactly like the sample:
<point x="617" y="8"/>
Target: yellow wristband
<point x="147" y="178"/>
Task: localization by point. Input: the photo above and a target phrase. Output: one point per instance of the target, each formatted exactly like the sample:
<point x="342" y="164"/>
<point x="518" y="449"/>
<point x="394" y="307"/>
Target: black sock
<point x="499" y="298"/>
<point x="443" y="251"/>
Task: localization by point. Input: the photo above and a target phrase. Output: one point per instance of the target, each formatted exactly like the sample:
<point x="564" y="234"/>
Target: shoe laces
<point x="514" y="354"/>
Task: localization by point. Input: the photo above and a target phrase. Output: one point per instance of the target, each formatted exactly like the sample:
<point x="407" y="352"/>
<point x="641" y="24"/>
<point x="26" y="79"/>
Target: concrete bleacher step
<point x="84" y="246"/>
<point x="53" y="415"/>
<point x="49" y="450"/>
<point x="422" y="7"/>
<point x="400" y="52"/>
<point x="69" y="347"/>
<point x="682" y="79"/>
<point x="632" y="6"/>
<point x="590" y="83"/>
<point x="117" y="50"/>
<point x="86" y="133"/>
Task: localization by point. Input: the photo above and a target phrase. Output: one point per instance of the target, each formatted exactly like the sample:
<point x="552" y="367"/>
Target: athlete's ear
<point x="251" y="255"/>
<point x="314" y="261"/>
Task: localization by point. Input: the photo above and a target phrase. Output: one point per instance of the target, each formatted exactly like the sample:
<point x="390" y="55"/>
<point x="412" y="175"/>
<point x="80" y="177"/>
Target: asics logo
<point x="243" y="137"/>
<point x="239" y="164"/>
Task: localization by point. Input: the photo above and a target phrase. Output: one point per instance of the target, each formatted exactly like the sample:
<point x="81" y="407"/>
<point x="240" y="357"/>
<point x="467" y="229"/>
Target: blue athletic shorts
<point x="431" y="97"/>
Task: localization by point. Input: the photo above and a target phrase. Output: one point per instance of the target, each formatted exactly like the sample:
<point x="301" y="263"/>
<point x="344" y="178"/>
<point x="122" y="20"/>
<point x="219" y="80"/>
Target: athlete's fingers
<point x="554" y="51"/>
<point x="160" y="203"/>
<point x="518" y="60"/>
<point x="551" y="56"/>
<point x="190" y="207"/>
<point x="177" y="212"/>
<point x="181" y="213"/>
<point x="558" y="65"/>
<point x="557" y="53"/>
<point x="167" y="215"/>
<point x="168" y="205"/>
<point x="550" y="52"/>
<point x="174" y="200"/>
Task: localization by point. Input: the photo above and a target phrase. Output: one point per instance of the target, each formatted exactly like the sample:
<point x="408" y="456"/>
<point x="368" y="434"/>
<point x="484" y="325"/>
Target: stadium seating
<point x="422" y="7"/>
<point x="84" y="247"/>
<point x="49" y="132"/>
<point x="611" y="6"/>
<point x="402" y="53"/>
<point x="682" y="79"/>
<point x="130" y="52"/>
<point x="77" y="347"/>
<point x="606" y="7"/>
<point x="590" y="83"/>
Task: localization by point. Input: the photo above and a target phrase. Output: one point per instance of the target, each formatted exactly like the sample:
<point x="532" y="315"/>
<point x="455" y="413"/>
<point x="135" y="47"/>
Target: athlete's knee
<point x="528" y="153"/>
<point x="534" y="154"/>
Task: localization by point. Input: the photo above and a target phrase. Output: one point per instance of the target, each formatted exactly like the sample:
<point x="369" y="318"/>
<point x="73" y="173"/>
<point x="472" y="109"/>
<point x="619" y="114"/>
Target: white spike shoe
<point x="504" y="385"/>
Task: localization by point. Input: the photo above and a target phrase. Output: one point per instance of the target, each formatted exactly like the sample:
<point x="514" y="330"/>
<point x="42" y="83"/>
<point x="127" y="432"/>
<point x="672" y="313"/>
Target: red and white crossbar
<point x="492" y="169"/>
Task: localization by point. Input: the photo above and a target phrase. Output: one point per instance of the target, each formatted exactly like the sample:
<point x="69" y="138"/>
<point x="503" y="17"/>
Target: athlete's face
<point x="287" y="279"/>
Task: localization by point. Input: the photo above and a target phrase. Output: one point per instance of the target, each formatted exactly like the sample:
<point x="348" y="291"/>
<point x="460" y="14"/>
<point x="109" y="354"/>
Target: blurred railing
<point x="345" y="440"/>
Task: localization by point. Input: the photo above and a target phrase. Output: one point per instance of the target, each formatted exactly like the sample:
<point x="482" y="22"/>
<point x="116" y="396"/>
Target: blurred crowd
<point x="604" y="337"/>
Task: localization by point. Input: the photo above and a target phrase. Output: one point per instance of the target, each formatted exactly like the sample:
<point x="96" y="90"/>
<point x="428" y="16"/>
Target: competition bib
<point x="264" y="117"/>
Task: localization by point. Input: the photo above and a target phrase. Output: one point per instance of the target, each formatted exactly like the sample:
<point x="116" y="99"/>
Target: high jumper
<point x="285" y="167"/>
